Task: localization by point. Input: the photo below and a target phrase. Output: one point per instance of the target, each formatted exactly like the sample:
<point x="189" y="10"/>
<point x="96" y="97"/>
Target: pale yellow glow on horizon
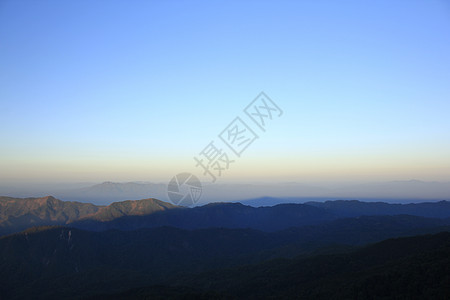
<point x="307" y="167"/>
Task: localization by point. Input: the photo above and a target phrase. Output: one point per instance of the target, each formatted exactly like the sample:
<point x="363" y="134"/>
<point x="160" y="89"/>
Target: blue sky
<point x="133" y="90"/>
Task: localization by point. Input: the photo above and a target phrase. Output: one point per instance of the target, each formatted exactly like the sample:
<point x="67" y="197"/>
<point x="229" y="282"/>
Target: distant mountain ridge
<point x="115" y="191"/>
<point x="285" y="192"/>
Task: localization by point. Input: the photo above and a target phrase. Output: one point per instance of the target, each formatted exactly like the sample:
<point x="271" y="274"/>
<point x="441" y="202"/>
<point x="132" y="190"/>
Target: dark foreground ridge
<point x="59" y="262"/>
<point x="405" y="268"/>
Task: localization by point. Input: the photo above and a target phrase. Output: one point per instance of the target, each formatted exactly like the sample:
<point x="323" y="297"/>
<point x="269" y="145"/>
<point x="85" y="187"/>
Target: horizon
<point x="255" y="202"/>
<point x="105" y="193"/>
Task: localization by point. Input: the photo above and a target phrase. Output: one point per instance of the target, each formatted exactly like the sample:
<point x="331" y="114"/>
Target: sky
<point x="94" y="91"/>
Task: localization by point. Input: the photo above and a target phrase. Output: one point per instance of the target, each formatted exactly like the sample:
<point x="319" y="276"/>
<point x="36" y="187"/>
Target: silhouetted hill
<point x="406" y="268"/>
<point x="56" y="262"/>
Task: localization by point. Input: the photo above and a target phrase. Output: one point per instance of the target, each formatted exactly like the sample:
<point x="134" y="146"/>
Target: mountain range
<point x="148" y="248"/>
<point x="264" y="194"/>
<point x="17" y="214"/>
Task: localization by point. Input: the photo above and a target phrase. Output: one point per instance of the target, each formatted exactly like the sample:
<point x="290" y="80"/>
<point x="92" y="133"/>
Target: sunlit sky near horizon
<point x="133" y="90"/>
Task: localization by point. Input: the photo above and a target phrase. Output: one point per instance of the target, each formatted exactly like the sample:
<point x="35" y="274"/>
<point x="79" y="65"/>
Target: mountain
<point x="129" y="208"/>
<point x="254" y="194"/>
<point x="404" y="268"/>
<point x="278" y="217"/>
<point x="221" y="250"/>
<point x="353" y="208"/>
<point x="108" y="191"/>
<point x="17" y="214"/>
<point x="118" y="191"/>
<point x="58" y="262"/>
<point x="61" y="262"/>
<point x="225" y="215"/>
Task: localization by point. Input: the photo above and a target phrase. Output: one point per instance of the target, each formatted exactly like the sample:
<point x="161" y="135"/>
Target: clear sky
<point x="133" y="90"/>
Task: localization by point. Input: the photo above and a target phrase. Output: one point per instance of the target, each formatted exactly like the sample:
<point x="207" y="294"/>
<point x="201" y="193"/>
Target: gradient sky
<point x="133" y="90"/>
